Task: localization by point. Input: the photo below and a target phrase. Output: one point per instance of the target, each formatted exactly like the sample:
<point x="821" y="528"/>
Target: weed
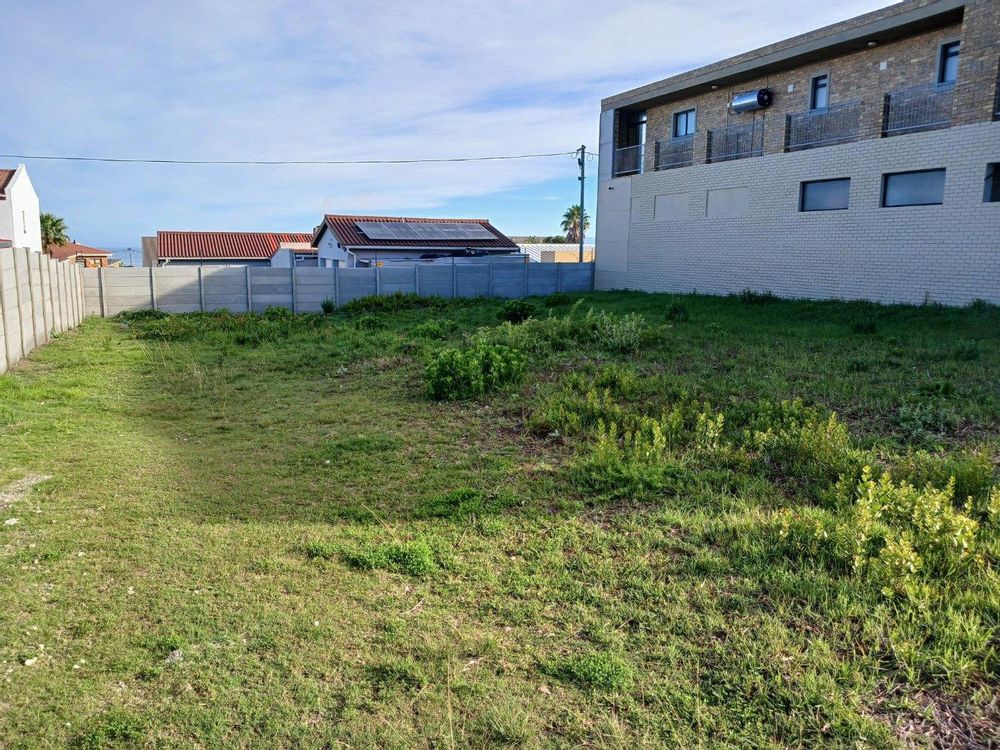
<point x="413" y="558"/>
<point x="455" y="374"/>
<point x="433" y="329"/>
<point x="516" y="311"/>
<point x="678" y="313"/>
<point x="598" y="671"/>
<point x="966" y="351"/>
<point x="466" y="502"/>
<point x="751" y="297"/>
<point x="557" y="299"/>
<point x="115" y="729"/>
<point x="392" y="303"/>
<point x="328" y="306"/>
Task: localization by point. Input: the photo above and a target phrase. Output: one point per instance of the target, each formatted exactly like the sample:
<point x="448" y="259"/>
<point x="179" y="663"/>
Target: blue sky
<point x="340" y="80"/>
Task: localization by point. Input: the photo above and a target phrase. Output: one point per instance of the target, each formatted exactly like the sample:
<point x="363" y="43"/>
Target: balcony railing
<point x="829" y="126"/>
<point x="736" y="142"/>
<point x="676" y="152"/>
<point x="628" y="160"/>
<point x="918" y="108"/>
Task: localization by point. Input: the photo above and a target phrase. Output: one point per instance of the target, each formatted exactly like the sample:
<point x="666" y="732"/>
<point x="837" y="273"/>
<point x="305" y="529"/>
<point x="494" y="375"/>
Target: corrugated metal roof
<point x="349" y="236"/>
<point x="224" y="245"/>
<point x="6" y="175"/>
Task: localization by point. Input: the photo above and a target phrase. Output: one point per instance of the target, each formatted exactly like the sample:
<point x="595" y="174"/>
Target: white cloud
<point x="343" y="80"/>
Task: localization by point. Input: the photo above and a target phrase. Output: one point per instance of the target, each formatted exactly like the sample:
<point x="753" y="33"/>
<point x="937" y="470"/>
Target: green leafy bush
<point x="433" y="329"/>
<point x="277" y="313"/>
<point x="971" y="473"/>
<point x="466" y="502"/>
<point x="328" y="306"/>
<point x="516" y="311"/>
<point x="599" y="671"/>
<point x="166" y="328"/>
<point x="138" y="316"/>
<point x="455" y="374"/>
<point x="370" y="322"/>
<point x="678" y="313"/>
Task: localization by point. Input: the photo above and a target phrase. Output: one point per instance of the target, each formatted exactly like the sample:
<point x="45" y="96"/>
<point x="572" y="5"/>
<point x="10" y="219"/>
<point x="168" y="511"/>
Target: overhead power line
<point x="281" y="162"/>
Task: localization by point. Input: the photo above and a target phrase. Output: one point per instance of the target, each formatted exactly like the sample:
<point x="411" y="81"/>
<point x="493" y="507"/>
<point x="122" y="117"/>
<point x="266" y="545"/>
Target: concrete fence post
<point x="60" y="297"/>
<point x="152" y="288"/>
<point x="201" y="289"/>
<point x="454" y="279"/>
<point x="489" y="292"/>
<point x="7" y="358"/>
<point x="559" y="277"/>
<point x="249" y="292"/>
<point x="378" y="280"/>
<point x="26" y="346"/>
<point x="525" y="289"/>
<point x="294" y="303"/>
<point x="336" y="286"/>
<point x="416" y="279"/>
<point x="102" y="292"/>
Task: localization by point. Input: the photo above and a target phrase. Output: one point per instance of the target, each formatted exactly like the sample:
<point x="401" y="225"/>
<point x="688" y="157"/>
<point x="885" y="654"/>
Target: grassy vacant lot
<point x="263" y="531"/>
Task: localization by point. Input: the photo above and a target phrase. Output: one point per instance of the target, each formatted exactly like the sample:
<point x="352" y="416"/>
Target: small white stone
<point x="315" y="623"/>
<point x="11" y="521"/>
<point x="31" y="661"/>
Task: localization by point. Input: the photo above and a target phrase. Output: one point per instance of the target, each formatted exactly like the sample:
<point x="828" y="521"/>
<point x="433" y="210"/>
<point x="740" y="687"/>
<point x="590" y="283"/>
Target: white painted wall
<point x="20" y="219"/>
<point x="331" y="254"/>
<point x="721" y="228"/>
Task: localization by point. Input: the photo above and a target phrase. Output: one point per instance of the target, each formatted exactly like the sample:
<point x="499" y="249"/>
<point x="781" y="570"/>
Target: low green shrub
<point x="391" y="303"/>
<point x="328" y="306"/>
<point x="370" y="322"/>
<point x="557" y="299"/>
<point x="865" y="325"/>
<point x="434" y="329"/>
<point x="678" y="313"/>
<point x="138" y="316"/>
<point x="598" y="671"/>
<point x="621" y="334"/>
<point x="455" y="374"/>
<point x="277" y="313"/>
<point x="166" y="328"/>
<point x="966" y="351"/>
<point x="516" y="311"/>
<point x="971" y="473"/>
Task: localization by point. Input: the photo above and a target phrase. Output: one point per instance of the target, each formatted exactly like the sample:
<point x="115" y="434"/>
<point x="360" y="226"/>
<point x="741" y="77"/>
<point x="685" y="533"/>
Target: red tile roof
<point x="72" y="249"/>
<point x="6" y="175"/>
<point x="349" y="236"/>
<point x="224" y="245"/>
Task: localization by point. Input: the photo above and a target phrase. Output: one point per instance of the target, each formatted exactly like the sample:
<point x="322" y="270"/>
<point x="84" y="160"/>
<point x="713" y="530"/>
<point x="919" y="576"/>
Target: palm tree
<point x="54" y="232"/>
<point x="571" y="223"/>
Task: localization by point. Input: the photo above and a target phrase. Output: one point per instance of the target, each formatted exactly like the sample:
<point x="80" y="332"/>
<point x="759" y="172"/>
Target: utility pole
<point x="582" y="161"/>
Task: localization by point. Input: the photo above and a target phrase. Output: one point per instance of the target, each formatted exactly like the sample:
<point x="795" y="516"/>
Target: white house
<point x="20" y="219"/>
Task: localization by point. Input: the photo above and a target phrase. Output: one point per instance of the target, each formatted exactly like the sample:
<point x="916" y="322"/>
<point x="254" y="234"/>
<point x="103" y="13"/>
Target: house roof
<point x="349" y="236"/>
<point x="71" y="249"/>
<point x="224" y="245"/>
<point x="880" y="26"/>
<point x="534" y="250"/>
<point x="6" y="175"/>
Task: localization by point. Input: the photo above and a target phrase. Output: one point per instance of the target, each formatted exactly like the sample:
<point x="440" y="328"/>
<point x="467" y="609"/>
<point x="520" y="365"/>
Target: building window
<point x="923" y="188"/>
<point x="825" y="195"/>
<point x="991" y="191"/>
<point x="819" y="96"/>
<point x="948" y="62"/>
<point x="684" y="123"/>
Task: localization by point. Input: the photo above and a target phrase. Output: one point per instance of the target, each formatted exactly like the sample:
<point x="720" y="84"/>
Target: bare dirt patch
<point x="19" y="488"/>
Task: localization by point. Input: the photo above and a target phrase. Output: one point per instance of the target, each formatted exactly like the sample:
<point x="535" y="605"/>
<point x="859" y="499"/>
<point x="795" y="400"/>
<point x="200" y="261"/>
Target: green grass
<point x="262" y="532"/>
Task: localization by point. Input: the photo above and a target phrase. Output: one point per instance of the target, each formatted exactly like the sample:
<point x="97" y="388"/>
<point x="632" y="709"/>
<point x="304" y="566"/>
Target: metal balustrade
<point x="736" y="141"/>
<point x="829" y="126"/>
<point x="919" y="108"/>
<point x="675" y="152"/>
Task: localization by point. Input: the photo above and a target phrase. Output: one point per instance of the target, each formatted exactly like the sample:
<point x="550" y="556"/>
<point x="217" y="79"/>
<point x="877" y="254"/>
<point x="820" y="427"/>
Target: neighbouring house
<point x="299" y="254"/>
<point x="556" y="252"/>
<point x="88" y="257"/>
<point x="361" y="241"/>
<point x="218" y="248"/>
<point x="20" y="218"/>
<point x="858" y="161"/>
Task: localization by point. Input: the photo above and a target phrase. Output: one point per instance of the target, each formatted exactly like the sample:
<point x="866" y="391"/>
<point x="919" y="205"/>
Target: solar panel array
<point x="420" y="230"/>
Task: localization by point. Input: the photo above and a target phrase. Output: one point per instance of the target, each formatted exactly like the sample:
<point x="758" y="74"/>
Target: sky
<point x="336" y="79"/>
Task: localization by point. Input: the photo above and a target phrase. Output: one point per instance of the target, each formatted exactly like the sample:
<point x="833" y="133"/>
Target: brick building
<point x="857" y="161"/>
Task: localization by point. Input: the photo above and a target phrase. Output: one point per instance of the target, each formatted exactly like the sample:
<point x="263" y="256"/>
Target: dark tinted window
<point x="825" y="195"/>
<point x="820" y="96"/>
<point x="925" y="188"/>
<point x="991" y="192"/>
<point x="948" y="68"/>
<point x="684" y="123"/>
